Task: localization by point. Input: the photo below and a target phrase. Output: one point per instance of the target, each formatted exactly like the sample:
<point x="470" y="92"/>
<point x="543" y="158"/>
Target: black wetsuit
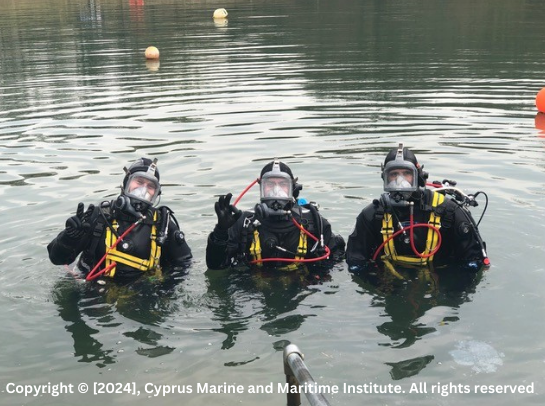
<point x="229" y="247"/>
<point x="175" y="253"/>
<point x="461" y="241"/>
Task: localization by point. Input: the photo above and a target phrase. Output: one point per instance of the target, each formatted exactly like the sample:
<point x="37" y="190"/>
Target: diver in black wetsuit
<point x="270" y="236"/>
<point x="152" y="240"/>
<point x="412" y="225"/>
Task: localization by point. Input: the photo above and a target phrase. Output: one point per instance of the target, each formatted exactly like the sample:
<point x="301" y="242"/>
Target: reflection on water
<point x="272" y="298"/>
<point x="91" y="309"/>
<point x="327" y="86"/>
<point x="409" y="367"/>
<point x="417" y="302"/>
<point x="91" y="14"/>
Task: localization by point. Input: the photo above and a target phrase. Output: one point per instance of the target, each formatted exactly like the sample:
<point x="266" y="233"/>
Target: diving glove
<point x="227" y="213"/>
<point x="76" y="226"/>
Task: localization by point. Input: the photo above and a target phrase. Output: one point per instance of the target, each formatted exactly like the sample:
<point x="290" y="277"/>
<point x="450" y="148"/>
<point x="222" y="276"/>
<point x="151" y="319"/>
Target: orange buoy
<point x="152" y="53"/>
<point x="540" y="100"/>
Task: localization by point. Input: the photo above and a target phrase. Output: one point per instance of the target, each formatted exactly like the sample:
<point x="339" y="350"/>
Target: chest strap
<point x="114" y="256"/>
<point x="431" y="241"/>
<point x="302" y="248"/>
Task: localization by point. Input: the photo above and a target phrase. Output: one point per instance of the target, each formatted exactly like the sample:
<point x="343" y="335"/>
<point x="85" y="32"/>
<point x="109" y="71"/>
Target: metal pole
<point x="294" y="399"/>
<point x="297" y="374"/>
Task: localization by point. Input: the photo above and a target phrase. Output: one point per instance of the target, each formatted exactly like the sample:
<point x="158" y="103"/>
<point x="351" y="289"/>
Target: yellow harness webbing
<point x="115" y="256"/>
<point x="302" y="247"/>
<point x="431" y="241"/>
<point x="255" y="251"/>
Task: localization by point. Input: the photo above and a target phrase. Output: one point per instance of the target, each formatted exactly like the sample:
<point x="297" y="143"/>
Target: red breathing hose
<point x="94" y="274"/>
<point x="245" y="190"/>
<point x="411" y="227"/>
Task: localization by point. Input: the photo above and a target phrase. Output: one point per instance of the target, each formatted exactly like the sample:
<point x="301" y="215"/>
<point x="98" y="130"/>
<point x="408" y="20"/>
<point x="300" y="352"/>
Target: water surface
<point x="329" y="88"/>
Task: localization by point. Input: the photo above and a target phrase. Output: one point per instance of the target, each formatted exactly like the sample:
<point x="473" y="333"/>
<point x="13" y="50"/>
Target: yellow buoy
<point x="220" y="13"/>
<point x="152" y="53"/>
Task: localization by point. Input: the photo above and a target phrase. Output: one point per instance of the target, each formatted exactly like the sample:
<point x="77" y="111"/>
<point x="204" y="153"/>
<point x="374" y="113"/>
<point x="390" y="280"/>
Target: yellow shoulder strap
<point x="255" y="248"/>
<point x="435" y="220"/>
<point x="302" y="248"/>
<point x="110" y="241"/>
<point x="155" y="251"/>
<point x="387" y="231"/>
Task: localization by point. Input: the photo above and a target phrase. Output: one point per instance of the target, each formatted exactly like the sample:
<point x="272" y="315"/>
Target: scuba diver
<point x="281" y="232"/>
<point x="127" y="237"/>
<point x="412" y="225"/>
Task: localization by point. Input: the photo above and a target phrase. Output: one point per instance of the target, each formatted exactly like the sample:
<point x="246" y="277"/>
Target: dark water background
<point x="328" y="87"/>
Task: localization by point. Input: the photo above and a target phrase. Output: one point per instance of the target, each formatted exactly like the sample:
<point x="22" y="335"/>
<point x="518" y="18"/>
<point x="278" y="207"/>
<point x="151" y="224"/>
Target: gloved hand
<point x="78" y="225"/>
<point x="226" y="212"/>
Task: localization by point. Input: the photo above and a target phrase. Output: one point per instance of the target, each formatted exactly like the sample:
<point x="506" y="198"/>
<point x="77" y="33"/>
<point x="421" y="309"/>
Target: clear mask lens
<point x="400" y="183"/>
<point x="274" y="187"/>
<point x="400" y="177"/>
<point x="143" y="187"/>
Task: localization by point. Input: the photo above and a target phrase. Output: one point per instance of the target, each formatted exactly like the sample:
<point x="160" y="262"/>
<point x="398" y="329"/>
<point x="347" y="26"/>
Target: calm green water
<point x="328" y="87"/>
